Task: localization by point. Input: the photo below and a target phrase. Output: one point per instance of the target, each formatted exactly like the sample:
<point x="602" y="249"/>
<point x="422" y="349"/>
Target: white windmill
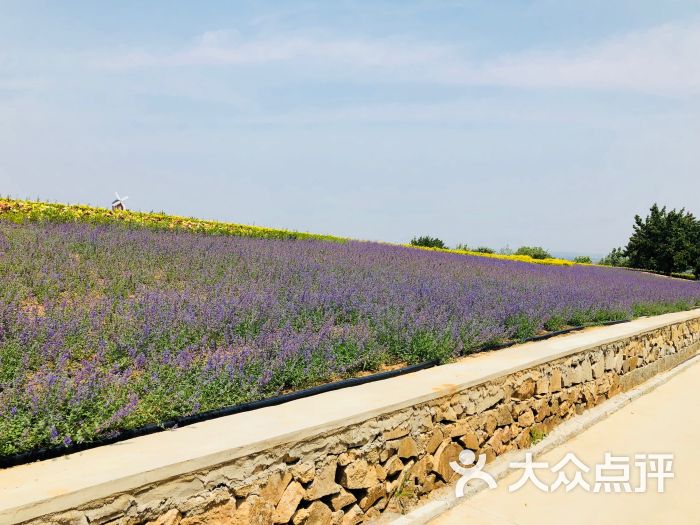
<point x="118" y="203"/>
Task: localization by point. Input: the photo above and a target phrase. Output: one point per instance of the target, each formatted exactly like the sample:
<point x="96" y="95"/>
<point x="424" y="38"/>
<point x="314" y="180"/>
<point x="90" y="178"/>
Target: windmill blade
<point x="124" y="198"/>
<point x="117" y="196"/>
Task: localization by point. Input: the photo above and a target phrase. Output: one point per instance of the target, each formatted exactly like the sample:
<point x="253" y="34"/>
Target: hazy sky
<point x="484" y="122"/>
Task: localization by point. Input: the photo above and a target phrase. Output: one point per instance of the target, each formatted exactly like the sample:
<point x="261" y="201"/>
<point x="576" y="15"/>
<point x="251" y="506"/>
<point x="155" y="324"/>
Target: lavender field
<point x="104" y="328"/>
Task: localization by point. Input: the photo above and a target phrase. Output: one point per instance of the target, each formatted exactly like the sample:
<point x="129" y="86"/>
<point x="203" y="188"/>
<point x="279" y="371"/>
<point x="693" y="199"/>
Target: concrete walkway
<point x="667" y="420"/>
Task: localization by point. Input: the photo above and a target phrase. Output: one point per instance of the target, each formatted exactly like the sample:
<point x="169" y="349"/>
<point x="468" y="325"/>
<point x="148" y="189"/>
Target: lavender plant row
<point x="104" y="328"/>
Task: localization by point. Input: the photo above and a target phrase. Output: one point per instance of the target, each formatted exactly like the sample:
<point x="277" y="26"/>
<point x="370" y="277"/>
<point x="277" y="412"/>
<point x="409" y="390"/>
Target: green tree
<point x="428" y="242"/>
<point x="536" y="252"/>
<point x="695" y="251"/>
<point x="583" y="259"/>
<point x="615" y="258"/>
<point x="478" y="249"/>
<point x="664" y="241"/>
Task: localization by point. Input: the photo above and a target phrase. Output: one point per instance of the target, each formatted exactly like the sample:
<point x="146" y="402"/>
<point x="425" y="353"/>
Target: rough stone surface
<point x="447" y="452"/>
<point x="221" y="515"/>
<point x="109" y="510"/>
<point x="434" y="441"/>
<point x="397" y="433"/>
<point x="303" y="472"/>
<point x="359" y="475"/>
<point x="342" y="499"/>
<point x="275" y="487"/>
<point x="254" y="511"/>
<point x="526" y="419"/>
<point x="324" y="484"/>
<point x="372" y="496"/>
<point x="555" y="380"/>
<point x="407" y="448"/>
<point x="470" y="440"/>
<point x="316" y="514"/>
<point x="393" y="466"/>
<point x="291" y="497"/>
<point x="172" y="517"/>
<point x="353" y="516"/>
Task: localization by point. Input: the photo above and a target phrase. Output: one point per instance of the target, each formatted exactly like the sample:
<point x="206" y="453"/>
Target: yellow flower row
<point x="19" y="211"/>
<point x="521" y="258"/>
<point x="22" y="210"/>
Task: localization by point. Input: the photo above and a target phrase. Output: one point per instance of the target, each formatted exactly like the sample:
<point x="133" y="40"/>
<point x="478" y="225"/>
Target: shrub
<point x="665" y="241"/>
<point x="583" y="259"/>
<point x="615" y="258"/>
<point x="521" y="326"/>
<point x="480" y="249"/>
<point x="428" y="242"/>
<point x="536" y="252"/>
<point x="554" y="323"/>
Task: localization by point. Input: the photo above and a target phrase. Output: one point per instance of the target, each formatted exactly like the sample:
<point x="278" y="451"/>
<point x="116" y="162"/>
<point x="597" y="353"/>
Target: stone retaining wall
<point x="390" y="462"/>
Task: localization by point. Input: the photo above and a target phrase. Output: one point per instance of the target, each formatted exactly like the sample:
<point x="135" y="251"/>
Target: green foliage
<point x="584" y="317"/>
<point x="522" y="326"/>
<point x="665" y="241"/>
<point x="479" y="249"/>
<point x="615" y="258"/>
<point x="583" y="259"/>
<point x="426" y="345"/>
<point x="554" y="323"/>
<point x="428" y="242"/>
<point x="536" y="252"/>
<point x="649" y="309"/>
<point x="537" y="434"/>
<point x="579" y="318"/>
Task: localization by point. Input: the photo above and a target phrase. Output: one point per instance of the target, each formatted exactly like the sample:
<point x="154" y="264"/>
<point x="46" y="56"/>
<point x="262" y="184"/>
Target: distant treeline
<point x="665" y="242"/>
<point x="536" y="252"/>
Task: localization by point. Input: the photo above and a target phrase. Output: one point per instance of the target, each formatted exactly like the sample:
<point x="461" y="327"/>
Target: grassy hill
<point x="22" y="210"/>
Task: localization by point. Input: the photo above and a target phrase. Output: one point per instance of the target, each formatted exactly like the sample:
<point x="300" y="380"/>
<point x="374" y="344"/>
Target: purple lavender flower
<point x="104" y="328"/>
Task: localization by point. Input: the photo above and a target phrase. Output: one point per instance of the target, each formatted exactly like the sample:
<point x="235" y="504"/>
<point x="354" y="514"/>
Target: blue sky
<point x="489" y="123"/>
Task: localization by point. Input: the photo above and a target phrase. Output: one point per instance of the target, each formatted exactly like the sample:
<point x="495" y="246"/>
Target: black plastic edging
<point x="549" y="335"/>
<point x="54" y="452"/>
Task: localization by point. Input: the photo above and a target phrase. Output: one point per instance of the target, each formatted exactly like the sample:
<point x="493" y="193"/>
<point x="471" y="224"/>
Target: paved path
<point x="667" y="420"/>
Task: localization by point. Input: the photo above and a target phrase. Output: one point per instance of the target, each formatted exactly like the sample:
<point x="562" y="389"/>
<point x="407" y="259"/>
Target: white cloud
<point x="664" y="60"/>
<point x="227" y="48"/>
